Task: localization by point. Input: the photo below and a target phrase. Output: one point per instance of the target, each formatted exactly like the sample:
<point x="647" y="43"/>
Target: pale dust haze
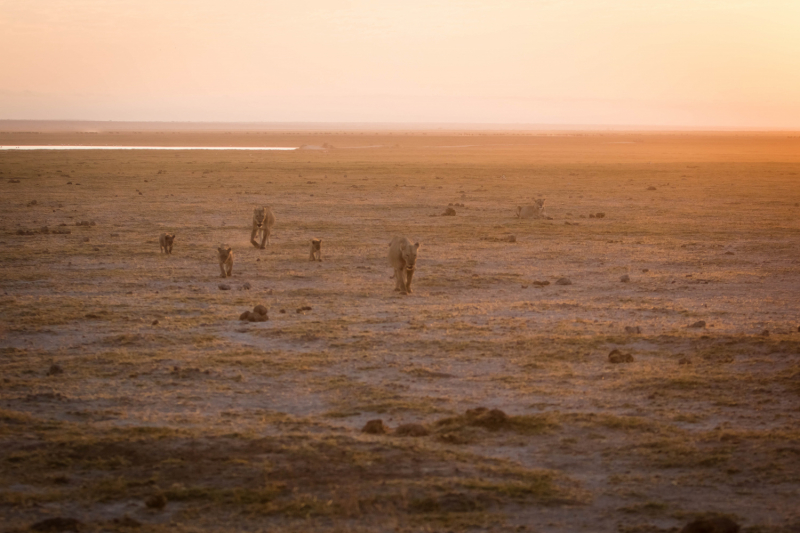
<point x="680" y="63"/>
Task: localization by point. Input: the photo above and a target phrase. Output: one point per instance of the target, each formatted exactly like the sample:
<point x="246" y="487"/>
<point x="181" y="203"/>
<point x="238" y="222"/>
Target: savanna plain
<point x="132" y="398"/>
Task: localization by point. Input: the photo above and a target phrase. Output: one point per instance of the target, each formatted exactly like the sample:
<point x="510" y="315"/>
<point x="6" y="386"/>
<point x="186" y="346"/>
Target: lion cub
<point x="166" y="242"/>
<point x="225" y="260"/>
<point x="315" y="253"/>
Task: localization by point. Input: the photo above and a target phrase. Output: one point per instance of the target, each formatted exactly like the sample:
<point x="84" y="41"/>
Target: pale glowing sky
<point x="695" y="63"/>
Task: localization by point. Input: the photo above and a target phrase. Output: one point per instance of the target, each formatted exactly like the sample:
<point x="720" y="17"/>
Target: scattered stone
<point x="304" y="308"/>
<point x="645" y="270"/>
<point x="282" y="311"/>
<point x="449" y="212"/>
<point x="625" y="278"/>
<point x="44" y="230"/>
<point x="13" y="181"/>
<point x="507" y="238"/>
<point x="261" y="310"/>
<point x="61" y="480"/>
<point x="55" y="370"/>
<point x="633" y="329"/>
<point x="86" y="223"/>
<point x="246" y="286"/>
<point x="698" y="324"/>
<point x="684" y="361"/>
<point x="91" y="315"/>
<point x="524" y="286"/>
<point x="224" y="287"/>
<point x="245" y="316"/>
<point x="154" y="323"/>
<point x="412" y="430"/>
<point x="32" y="203"/>
<point x="85" y="239"/>
<point x="26" y="232"/>
<point x="729" y="253"/>
<point x="600" y="215"/>
<point x="58" y="524"/>
<point x="651" y="188"/>
<point x="563" y="281"/>
<point x="618" y="357"/>
<point x="591" y="215"/>
<point x="765" y="333"/>
<point x="493" y="419"/>
<point x="127" y="521"/>
<point x="374" y="427"/>
<point x="718" y="524"/>
<point x="541" y="283"/>
<point x="96" y="249"/>
<point x="156" y="501"/>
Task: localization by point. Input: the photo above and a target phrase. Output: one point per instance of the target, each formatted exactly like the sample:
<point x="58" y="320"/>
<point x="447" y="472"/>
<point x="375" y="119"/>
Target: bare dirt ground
<point x="164" y="412"/>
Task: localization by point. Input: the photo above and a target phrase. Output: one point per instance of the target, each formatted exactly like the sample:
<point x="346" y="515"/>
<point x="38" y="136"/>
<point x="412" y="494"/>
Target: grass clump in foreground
<point x="287" y="477"/>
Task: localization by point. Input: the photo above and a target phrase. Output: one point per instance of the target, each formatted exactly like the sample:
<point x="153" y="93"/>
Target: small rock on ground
<point x="698" y="324"/>
<point x="412" y="430"/>
<point x="633" y="329"/>
<point x="58" y="524"/>
<point x="55" y="370"/>
<point x="156" y="501"/>
<point x="564" y="281"/>
<point x="625" y="278"/>
<point x="374" y="427"/>
<point x="718" y="524"/>
<point x="224" y="287"/>
<point x="618" y="357"/>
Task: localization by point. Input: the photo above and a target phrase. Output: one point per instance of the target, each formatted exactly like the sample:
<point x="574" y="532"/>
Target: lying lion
<point x="532" y="211"/>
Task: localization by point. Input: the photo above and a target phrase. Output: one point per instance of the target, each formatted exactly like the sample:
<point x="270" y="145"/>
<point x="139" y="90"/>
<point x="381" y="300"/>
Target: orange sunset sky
<point x="670" y="63"/>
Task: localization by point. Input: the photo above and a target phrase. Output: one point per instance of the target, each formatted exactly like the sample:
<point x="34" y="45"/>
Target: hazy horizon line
<point x="90" y="126"/>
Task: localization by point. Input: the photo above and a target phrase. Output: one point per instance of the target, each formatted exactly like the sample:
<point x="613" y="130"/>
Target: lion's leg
<point x="408" y="283"/>
<point x="223" y="273"/>
<point x="264" y="237"/>
<point x="230" y="269"/>
<point x="399" y="284"/>
<point x="253" y="236"/>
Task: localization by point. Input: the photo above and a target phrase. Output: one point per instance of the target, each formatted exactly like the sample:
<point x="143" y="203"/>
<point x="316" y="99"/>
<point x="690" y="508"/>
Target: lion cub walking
<point x="263" y="220"/>
<point x="403" y="258"/>
<point x="315" y="253"/>
<point x="225" y="260"/>
<point x="166" y="242"/>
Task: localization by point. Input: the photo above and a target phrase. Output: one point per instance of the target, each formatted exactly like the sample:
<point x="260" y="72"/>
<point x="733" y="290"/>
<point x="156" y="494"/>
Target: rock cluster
<point x="258" y="314"/>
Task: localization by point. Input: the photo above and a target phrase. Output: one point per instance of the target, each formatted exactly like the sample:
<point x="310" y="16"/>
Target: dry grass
<point x="253" y="426"/>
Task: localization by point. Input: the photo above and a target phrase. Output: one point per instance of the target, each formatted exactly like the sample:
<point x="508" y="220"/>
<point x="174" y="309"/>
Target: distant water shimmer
<point x="54" y="147"/>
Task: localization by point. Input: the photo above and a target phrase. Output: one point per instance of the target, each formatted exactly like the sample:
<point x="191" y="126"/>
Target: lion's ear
<point x="416" y="245"/>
